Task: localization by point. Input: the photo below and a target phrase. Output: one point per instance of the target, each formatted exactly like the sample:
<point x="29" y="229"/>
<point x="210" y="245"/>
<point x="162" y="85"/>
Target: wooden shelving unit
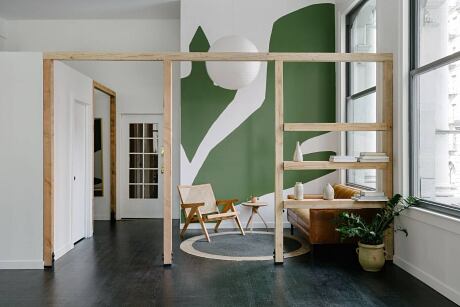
<point x="385" y="103"/>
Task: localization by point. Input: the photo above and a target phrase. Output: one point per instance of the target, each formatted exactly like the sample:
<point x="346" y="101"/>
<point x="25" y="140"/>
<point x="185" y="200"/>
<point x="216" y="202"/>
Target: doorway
<point x="142" y="166"/>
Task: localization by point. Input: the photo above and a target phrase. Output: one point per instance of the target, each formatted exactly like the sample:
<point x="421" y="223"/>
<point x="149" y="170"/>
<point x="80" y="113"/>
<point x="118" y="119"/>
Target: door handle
<point x="74" y="178"/>
<point x="162" y="151"/>
<point x="162" y="169"/>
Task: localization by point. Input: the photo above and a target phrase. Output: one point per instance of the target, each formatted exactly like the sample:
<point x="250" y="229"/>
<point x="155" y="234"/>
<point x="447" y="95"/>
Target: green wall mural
<point x="243" y="163"/>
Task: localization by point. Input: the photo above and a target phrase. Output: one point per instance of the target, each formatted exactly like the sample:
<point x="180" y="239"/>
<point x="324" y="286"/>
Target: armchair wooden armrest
<point x="191" y="205"/>
<point x="226" y="201"/>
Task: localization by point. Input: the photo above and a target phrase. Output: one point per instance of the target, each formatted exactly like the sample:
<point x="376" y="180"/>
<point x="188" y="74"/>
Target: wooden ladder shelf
<point x="385" y="100"/>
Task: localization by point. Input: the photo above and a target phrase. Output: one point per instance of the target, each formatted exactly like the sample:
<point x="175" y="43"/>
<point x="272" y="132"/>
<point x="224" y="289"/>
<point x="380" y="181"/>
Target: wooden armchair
<point x="200" y="205"/>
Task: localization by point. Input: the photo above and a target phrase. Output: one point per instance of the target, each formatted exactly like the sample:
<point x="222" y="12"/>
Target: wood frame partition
<point x="280" y="166"/>
<point x="113" y="146"/>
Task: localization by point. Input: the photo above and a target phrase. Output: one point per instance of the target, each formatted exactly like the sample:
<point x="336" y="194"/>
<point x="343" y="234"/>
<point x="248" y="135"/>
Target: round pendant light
<point x="232" y="75"/>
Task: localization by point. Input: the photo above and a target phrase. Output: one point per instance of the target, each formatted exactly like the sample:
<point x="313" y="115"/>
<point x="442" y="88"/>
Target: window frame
<point x="349" y="19"/>
<point x="414" y="71"/>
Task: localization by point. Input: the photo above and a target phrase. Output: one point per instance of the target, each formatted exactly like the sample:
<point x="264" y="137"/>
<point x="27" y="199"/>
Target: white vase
<point x="298" y="156"/>
<point x="328" y="192"/>
<point x="298" y="191"/>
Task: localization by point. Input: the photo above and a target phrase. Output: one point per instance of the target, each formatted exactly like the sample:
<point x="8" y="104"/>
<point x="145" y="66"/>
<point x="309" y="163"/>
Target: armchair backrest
<point x="198" y="194"/>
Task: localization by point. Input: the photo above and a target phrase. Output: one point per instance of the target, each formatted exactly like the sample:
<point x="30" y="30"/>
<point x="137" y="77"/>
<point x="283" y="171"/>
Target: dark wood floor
<point x="122" y="265"/>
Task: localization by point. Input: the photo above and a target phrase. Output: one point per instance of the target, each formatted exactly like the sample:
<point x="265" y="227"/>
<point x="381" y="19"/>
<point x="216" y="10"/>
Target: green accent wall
<point x="243" y="163"/>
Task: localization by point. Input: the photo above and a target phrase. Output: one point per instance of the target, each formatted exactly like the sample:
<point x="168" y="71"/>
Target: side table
<point x="255" y="210"/>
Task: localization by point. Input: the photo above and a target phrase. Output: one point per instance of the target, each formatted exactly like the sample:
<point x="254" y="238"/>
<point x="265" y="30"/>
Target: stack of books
<point x="370" y="196"/>
<point x="343" y="159"/>
<point x="373" y="157"/>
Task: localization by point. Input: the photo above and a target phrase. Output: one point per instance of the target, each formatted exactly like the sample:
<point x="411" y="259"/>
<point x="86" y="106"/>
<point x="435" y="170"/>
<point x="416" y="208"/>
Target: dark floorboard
<point x="122" y="266"/>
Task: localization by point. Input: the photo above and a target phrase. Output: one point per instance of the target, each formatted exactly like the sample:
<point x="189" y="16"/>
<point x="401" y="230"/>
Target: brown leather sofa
<point x="318" y="225"/>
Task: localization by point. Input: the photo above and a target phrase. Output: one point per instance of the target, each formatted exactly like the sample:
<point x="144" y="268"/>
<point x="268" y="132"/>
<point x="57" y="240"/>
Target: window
<point x="143" y="161"/>
<point x="435" y="113"/>
<point x="361" y="87"/>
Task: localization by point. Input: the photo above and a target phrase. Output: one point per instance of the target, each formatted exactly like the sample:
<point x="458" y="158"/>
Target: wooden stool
<point x="255" y="210"/>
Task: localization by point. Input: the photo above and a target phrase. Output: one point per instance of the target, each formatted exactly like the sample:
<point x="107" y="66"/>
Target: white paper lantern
<point x="232" y="75"/>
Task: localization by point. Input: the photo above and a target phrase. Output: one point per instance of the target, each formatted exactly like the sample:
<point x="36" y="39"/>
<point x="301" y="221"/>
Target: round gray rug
<point x="256" y="245"/>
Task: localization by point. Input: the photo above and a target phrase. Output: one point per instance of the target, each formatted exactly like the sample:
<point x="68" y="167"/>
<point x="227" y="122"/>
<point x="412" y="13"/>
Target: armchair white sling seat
<point x="199" y="204"/>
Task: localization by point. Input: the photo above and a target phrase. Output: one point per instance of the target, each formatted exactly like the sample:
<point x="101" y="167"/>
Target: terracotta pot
<point x="371" y="257"/>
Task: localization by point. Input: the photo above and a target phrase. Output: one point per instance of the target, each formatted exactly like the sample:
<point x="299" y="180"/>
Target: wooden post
<point x="387" y="99"/>
<point x="167" y="160"/>
<point x="48" y="163"/>
<point x="113" y="158"/>
<point x="279" y="130"/>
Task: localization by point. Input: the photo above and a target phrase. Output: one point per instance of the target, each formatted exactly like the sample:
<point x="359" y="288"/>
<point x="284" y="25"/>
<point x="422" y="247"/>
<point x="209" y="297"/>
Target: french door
<point x="142" y="166"/>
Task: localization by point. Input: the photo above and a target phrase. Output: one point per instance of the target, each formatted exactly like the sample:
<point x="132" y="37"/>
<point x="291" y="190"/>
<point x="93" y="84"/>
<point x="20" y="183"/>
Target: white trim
<point x="22" y="265"/>
<point x="428" y="279"/>
<point x="445" y="222"/>
<point x="63" y="250"/>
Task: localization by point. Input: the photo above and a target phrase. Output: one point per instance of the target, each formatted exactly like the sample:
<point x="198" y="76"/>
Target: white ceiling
<point x="89" y="9"/>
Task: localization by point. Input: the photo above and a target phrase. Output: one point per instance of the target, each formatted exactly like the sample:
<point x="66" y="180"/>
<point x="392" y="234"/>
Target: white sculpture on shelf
<point x="298" y="191"/>
<point x="298" y="155"/>
<point x="230" y="74"/>
<point x="328" y="192"/>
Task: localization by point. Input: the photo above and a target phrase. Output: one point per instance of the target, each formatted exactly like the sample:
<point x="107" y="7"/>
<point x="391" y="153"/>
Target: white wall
<point x="138" y="84"/>
<point x="21" y="161"/>
<point x="102" y="110"/>
<point x="69" y="86"/>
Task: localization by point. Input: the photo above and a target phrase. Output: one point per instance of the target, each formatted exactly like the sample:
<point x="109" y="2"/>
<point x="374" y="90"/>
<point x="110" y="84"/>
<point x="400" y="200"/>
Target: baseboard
<point x="428" y="279"/>
<point x="101" y="218"/>
<point x="22" y="265"/>
<point x="233" y="226"/>
<point x="58" y="253"/>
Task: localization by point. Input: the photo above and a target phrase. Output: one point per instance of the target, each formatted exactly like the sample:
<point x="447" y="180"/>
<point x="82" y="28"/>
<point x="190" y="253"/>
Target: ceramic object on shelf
<point x="328" y="192"/>
<point x="298" y="155"/>
<point x="298" y="191"/>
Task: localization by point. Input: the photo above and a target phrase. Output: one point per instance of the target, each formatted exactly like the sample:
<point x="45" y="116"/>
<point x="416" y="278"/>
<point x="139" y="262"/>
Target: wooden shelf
<point x="331" y="204"/>
<point x="319" y="165"/>
<point x="336" y="127"/>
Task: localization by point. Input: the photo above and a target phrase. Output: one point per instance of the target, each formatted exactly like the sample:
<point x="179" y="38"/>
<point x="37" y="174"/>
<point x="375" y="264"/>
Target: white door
<point x="79" y="150"/>
<point x="142" y="161"/>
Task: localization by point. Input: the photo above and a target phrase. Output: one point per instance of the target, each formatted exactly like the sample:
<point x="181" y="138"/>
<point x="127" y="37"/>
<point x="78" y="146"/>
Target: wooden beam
<point x="101" y="87"/>
<point x="113" y="157"/>
<point x="387" y="100"/>
<point x="167" y="161"/>
<point x="335" y="127"/>
<point x="218" y="56"/>
<point x="48" y="163"/>
<point x="279" y="175"/>
<point x="326" y="165"/>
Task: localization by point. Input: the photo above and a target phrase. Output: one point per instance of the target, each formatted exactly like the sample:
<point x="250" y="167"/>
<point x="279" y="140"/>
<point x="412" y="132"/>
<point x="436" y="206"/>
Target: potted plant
<point x="371" y="252"/>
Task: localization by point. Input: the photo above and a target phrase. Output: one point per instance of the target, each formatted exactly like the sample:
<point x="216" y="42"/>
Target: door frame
<point x="113" y="144"/>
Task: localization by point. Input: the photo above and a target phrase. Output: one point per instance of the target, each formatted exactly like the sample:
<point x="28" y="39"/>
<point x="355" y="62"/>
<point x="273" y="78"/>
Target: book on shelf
<point x="374" y="159"/>
<point x="343" y="159"/>
<point x="370" y="198"/>
<point x="372" y="154"/>
<point x="372" y="193"/>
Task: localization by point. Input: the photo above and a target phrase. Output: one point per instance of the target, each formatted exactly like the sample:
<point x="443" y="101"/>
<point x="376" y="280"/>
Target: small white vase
<point x="328" y="192"/>
<point x="298" y="156"/>
<point x="298" y="191"/>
